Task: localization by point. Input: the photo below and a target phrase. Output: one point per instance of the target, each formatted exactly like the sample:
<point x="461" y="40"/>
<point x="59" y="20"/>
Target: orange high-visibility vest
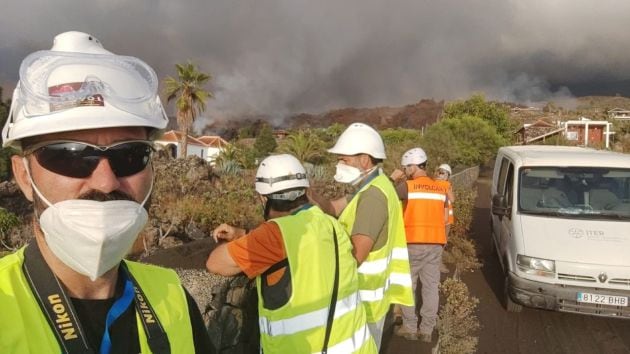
<point x="424" y="211"/>
<point x="451" y="216"/>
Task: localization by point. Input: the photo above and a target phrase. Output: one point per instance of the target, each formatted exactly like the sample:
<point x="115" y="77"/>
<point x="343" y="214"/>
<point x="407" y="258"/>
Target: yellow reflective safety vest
<point x="24" y="328"/>
<point x="384" y="276"/>
<point x="299" y="326"/>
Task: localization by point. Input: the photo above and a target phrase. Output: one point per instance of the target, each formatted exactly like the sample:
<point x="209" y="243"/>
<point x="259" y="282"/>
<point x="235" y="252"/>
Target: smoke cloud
<point x="282" y="57"/>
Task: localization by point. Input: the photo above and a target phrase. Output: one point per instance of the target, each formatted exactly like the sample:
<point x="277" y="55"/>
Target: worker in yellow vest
<point x="83" y="121"/>
<point x="372" y="216"/>
<point x="425" y="215"/>
<point x="307" y="282"/>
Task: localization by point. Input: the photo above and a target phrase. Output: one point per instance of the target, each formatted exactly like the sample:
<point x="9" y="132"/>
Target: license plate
<point x="602" y="299"/>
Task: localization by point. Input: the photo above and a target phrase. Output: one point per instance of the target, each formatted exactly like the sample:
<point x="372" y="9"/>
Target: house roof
<point x="175" y="136"/>
<point x="213" y="141"/>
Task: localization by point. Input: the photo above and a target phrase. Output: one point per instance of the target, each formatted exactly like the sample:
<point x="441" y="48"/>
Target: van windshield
<point x="577" y="192"/>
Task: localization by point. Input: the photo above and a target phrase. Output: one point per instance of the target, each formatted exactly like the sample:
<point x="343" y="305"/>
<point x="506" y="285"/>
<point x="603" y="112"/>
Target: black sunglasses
<point x="78" y="159"/>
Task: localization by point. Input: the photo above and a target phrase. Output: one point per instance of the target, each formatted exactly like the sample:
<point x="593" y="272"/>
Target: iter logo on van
<point x="576" y="233"/>
<point x="594" y="235"/>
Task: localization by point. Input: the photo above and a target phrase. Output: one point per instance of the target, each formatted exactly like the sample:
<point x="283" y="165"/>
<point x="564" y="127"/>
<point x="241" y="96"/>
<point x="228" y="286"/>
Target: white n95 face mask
<point x="347" y="174"/>
<point x="92" y="237"/>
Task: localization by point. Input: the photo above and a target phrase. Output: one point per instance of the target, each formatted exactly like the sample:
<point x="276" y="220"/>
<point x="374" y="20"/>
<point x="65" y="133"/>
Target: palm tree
<point x="190" y="94"/>
<point x="305" y="146"/>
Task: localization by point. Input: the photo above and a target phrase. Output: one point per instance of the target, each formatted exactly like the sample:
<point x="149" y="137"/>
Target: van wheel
<point x="510" y="305"/>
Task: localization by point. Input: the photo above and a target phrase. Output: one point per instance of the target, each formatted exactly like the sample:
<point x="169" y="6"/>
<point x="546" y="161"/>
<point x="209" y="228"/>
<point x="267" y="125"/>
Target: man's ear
<point x="21" y="175"/>
<point x="365" y="161"/>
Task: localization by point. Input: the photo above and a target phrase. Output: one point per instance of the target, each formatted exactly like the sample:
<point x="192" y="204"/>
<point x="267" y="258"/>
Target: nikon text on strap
<point x="61" y="315"/>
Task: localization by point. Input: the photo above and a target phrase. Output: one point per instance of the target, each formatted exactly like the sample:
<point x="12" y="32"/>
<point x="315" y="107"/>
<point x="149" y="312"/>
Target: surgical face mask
<point x="348" y="174"/>
<point x="88" y="236"/>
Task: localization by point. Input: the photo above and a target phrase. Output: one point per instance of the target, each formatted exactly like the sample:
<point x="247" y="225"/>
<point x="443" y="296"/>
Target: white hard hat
<point x="446" y="168"/>
<point x="415" y="156"/>
<point x="278" y="173"/>
<point x="79" y="85"/>
<point x="359" y="138"/>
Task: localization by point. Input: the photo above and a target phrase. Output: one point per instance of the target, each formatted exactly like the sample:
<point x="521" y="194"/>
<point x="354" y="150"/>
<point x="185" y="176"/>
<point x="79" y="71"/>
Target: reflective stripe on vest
<point x="425" y="211"/>
<point x="380" y="265"/>
<point x="384" y="275"/>
<point x="427" y="196"/>
<point x="378" y="294"/>
<point x="299" y="326"/>
<point x="307" y="321"/>
<point x="358" y="340"/>
<point x="28" y="331"/>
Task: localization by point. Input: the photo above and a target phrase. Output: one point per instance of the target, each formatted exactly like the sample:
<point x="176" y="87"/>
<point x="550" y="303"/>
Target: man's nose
<point x="103" y="178"/>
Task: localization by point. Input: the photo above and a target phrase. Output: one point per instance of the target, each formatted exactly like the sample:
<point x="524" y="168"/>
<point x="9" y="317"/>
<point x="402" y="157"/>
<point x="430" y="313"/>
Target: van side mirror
<point x="499" y="205"/>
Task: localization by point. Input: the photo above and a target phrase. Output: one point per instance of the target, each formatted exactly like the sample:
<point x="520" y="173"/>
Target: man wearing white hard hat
<point x="425" y="215"/>
<point x="83" y="120"/>
<point x="373" y="218"/>
<point x="443" y="173"/>
<point x="308" y="290"/>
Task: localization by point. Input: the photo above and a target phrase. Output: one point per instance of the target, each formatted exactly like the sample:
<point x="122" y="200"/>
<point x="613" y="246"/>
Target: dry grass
<point x="457" y="319"/>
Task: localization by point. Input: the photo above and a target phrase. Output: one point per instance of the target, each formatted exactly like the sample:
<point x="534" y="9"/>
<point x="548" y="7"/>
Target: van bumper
<point x="563" y="297"/>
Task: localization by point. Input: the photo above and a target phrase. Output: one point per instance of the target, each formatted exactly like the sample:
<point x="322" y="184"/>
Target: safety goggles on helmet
<point x="79" y="159"/>
<point x="272" y="180"/>
<point x="52" y="81"/>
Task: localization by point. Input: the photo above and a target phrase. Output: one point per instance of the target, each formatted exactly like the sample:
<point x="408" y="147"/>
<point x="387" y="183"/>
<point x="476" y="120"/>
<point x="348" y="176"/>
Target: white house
<point x="619" y="114"/>
<point x="586" y="132"/>
<point x="206" y="147"/>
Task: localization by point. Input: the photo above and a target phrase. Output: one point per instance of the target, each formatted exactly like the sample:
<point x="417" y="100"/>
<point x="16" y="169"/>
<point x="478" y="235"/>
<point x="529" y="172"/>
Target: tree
<point x="494" y="113"/>
<point x="466" y="141"/>
<point x="190" y="95"/>
<point x="304" y="145"/>
<point x="265" y="143"/>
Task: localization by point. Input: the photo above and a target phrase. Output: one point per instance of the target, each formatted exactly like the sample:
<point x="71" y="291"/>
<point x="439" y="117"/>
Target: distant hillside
<point x="420" y="114"/>
<point x="417" y="115"/>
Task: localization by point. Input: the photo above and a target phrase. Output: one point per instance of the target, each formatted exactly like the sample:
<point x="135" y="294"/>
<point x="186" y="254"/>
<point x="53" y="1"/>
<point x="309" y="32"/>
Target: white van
<point x="561" y="227"/>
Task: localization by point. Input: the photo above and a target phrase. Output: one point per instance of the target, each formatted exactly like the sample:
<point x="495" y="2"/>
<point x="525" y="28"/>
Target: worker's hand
<point x="227" y="233"/>
<point x="397" y="175"/>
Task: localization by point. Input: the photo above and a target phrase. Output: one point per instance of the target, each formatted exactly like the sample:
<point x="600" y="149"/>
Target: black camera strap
<point x="62" y="317"/>
<point x="333" y="300"/>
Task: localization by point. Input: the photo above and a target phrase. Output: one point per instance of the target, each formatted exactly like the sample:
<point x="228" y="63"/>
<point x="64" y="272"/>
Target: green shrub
<point x="8" y="221"/>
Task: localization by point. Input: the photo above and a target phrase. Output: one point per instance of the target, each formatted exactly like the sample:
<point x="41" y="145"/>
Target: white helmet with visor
<point x="79" y="85"/>
<point x="281" y="177"/>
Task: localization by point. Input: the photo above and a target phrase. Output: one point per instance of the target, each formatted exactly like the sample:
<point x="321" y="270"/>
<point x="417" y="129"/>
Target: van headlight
<point x="536" y="266"/>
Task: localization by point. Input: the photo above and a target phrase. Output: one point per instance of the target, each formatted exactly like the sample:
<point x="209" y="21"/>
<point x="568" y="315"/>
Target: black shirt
<point x="124" y="331"/>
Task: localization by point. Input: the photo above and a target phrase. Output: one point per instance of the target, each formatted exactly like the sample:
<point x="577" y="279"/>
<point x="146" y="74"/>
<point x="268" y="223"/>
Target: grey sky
<point x="290" y="56"/>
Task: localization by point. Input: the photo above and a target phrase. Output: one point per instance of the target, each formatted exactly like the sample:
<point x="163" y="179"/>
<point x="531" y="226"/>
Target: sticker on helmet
<point x="74" y="94"/>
